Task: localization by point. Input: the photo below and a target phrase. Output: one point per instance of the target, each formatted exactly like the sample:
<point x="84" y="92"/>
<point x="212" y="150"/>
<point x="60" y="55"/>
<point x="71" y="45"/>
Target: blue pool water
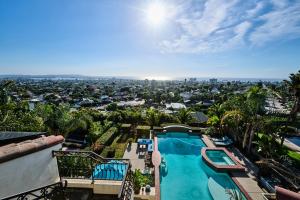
<point x="295" y="140"/>
<point x="186" y="175"/>
<point x="113" y="170"/>
<point x="219" y="157"/>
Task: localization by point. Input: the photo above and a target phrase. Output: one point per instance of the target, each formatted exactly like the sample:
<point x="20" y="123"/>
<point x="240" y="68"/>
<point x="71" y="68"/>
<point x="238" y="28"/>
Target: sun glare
<point x="158" y="78"/>
<point x="156" y="13"/>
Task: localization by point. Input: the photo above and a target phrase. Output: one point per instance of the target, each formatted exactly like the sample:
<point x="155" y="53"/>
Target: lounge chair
<point x="224" y="143"/>
<point x="220" y="139"/>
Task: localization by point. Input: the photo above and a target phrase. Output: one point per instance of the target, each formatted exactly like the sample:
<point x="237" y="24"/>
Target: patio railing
<point x="51" y="192"/>
<point x="89" y="165"/>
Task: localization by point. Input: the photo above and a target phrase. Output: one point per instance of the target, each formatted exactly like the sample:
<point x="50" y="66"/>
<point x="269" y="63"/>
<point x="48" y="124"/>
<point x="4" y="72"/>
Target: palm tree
<point x="294" y="88"/>
<point x="254" y="105"/>
<point x="152" y="117"/>
<point x="216" y="109"/>
<point x="184" y="116"/>
<point x="233" y="118"/>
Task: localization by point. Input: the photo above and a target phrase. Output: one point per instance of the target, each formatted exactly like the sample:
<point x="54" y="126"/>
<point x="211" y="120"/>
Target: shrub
<point x="143" y="131"/>
<point x="210" y="131"/>
<point x="125" y="128"/>
<point x="140" y="180"/>
<point x="107" y="137"/>
<point x="110" y="152"/>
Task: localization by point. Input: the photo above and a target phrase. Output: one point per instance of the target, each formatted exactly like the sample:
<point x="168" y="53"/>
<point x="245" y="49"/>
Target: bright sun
<point x="156" y="13"/>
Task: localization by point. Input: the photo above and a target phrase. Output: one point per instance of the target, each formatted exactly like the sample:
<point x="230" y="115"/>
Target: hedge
<point x="126" y="128"/>
<point x="108" y="137"/>
<point x="143" y="131"/>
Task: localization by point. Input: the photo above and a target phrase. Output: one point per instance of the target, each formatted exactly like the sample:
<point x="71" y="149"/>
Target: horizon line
<point x="141" y="77"/>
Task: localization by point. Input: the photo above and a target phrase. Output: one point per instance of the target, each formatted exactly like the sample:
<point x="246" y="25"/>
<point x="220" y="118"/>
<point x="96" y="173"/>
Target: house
<point x="186" y="95"/>
<point x="175" y="106"/>
<point x="40" y="169"/>
<point x="199" y="118"/>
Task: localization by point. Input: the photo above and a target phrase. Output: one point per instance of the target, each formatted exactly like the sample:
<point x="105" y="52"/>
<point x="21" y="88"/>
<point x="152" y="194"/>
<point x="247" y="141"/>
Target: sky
<point x="151" y="38"/>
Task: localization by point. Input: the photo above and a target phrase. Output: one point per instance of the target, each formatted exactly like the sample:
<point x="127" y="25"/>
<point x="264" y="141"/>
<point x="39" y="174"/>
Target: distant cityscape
<point x="83" y="77"/>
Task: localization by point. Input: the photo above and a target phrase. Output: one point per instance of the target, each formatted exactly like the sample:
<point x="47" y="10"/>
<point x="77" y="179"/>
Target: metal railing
<point x="89" y="165"/>
<point x="127" y="187"/>
<point x="51" y="192"/>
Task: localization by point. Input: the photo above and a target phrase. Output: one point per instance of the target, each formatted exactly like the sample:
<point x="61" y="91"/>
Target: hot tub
<point x="220" y="159"/>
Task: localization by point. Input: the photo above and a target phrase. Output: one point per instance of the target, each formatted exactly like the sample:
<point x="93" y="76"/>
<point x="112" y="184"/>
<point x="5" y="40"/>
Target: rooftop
<point x="15" y="150"/>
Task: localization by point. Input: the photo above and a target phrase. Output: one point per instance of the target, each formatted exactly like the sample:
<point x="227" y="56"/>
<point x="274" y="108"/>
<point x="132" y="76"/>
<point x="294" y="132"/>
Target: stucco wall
<point x="28" y="172"/>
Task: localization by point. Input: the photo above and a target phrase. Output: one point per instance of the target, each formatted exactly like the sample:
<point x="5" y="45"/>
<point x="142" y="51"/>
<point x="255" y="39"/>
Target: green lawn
<point x="295" y="156"/>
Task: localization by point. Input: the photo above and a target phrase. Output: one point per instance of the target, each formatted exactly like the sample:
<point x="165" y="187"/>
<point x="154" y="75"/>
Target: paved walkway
<point x="245" y="179"/>
<point x="137" y="161"/>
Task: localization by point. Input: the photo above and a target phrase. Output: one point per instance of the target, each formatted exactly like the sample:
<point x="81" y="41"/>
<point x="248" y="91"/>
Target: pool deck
<point x="245" y="180"/>
<point x="156" y="159"/>
<point x="137" y="161"/>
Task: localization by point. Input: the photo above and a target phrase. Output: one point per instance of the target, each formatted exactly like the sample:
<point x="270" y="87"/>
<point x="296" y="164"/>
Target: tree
<point x="79" y="124"/>
<point x="4" y="101"/>
<point x="152" y="117"/>
<point x="4" y="88"/>
<point x="112" y="107"/>
<point x="255" y="102"/>
<point x="57" y="119"/>
<point x="184" y="116"/>
<point x="233" y="119"/>
<point x="294" y="88"/>
<point x="215" y="122"/>
<point x="94" y="132"/>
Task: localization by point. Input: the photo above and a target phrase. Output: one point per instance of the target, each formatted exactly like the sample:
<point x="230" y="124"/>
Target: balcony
<point x="49" y="173"/>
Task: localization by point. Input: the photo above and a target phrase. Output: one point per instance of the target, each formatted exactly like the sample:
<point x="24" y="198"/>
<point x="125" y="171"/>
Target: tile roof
<point x="15" y="150"/>
<point x="8" y="135"/>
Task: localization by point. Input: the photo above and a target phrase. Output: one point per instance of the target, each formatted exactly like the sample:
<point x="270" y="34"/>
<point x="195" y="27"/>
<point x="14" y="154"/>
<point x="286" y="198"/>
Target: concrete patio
<point x="137" y="161"/>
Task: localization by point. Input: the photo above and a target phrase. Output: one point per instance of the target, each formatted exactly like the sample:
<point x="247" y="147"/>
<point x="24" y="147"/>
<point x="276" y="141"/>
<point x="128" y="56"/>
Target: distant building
<point x="186" y="95"/>
<point x="213" y="80"/>
<point x="193" y="80"/>
<point x="175" y="106"/>
<point x="215" y="90"/>
<point x="131" y="103"/>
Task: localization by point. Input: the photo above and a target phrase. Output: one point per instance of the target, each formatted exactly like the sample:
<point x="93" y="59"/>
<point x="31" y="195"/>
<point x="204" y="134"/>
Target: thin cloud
<point x="218" y="25"/>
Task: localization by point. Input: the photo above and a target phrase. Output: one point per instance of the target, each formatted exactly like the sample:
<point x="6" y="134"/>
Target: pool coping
<point x="156" y="159"/>
<point x="221" y="168"/>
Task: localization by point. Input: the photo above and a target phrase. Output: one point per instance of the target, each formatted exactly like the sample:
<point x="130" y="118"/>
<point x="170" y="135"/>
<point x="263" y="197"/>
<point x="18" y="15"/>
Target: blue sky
<point x="194" y="38"/>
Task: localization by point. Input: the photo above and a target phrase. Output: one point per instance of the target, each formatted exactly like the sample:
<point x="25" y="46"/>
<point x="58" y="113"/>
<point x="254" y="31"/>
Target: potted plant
<point x="137" y="181"/>
<point x="130" y="140"/>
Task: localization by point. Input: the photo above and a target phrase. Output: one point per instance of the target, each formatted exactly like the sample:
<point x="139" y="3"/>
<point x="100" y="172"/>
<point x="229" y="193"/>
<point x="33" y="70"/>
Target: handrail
<point x="41" y="192"/>
<point x="126" y="186"/>
<point x="91" y="154"/>
<point x="87" y="164"/>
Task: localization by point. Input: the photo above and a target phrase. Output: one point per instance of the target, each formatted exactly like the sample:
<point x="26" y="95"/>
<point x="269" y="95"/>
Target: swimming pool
<point x="295" y="140"/>
<point x="185" y="175"/>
